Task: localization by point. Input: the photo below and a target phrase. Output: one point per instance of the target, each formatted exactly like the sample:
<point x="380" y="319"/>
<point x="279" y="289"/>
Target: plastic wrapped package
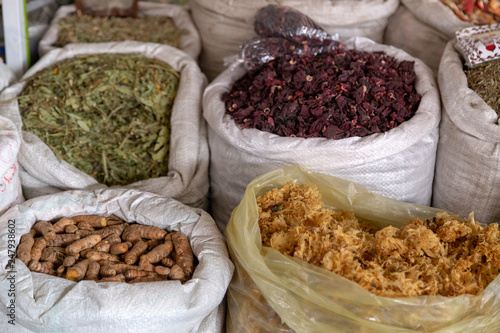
<point x="467" y="160"/>
<point x="271" y="292"/>
<point x="224" y="25"/>
<point x="190" y="41"/>
<point x="45" y="303"/>
<point x="405" y="155"/>
<point x="187" y="178"/>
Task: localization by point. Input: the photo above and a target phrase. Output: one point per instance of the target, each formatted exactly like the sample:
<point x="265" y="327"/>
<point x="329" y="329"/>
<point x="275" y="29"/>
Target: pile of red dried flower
<point x="336" y="94"/>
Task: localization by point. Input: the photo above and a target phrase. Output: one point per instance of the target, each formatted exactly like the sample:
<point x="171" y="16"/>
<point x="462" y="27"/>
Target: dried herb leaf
<point x="485" y="81"/>
<point x="108" y="114"/>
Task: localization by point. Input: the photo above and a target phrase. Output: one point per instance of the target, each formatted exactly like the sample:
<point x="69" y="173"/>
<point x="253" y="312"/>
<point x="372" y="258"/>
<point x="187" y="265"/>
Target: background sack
<point x="308" y="298"/>
<point x="467" y="164"/>
<point x="187" y="179"/>
<point x="45" y="303"/>
<point x="405" y="155"/>
<point x="10" y="182"/>
<point x="225" y="24"/>
<point x="407" y="32"/>
<point x="190" y="42"/>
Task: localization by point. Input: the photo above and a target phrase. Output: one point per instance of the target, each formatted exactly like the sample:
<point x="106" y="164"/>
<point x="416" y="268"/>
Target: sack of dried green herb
<point x="156" y="23"/>
<point x="398" y="163"/>
<point x="225" y="25"/>
<point x="148" y="137"/>
<point x="467" y="163"/>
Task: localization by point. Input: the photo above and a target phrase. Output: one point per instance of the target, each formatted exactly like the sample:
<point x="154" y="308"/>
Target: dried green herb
<point x="88" y="29"/>
<point x="485" y="81"/>
<point x="108" y="115"/>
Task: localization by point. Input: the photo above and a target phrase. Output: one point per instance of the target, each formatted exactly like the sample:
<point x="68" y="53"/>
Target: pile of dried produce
<point x="478" y="12"/>
<point x="485" y="81"/>
<point x="336" y="94"/>
<point x="440" y="256"/>
<point x="106" y="249"/>
<point x="78" y="28"/>
<point x="108" y="114"/>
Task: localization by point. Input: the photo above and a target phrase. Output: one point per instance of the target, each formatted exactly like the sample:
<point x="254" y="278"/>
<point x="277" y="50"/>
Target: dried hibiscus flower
<point x="336" y="94"/>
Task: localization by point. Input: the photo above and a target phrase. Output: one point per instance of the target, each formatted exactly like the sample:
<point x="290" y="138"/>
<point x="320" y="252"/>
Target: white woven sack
<point x="10" y="181"/>
<point x="468" y="158"/>
<point x="45" y="303"/>
<point x="407" y="32"/>
<point x="398" y="164"/>
<point x="190" y="42"/>
<point x="187" y="179"/>
<point x="225" y="24"/>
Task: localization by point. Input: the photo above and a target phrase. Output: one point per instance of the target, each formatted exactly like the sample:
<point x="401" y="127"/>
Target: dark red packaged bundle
<point x="120" y="8"/>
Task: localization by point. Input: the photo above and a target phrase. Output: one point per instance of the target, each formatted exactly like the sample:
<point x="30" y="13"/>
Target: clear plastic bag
<point x="107" y="7"/>
<point x="283" y="29"/>
<point x="307" y="298"/>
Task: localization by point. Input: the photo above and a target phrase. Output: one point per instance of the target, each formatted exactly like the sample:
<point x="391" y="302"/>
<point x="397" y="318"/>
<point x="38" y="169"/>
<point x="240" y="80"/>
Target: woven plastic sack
<point x="225" y="24"/>
<point x="468" y="156"/>
<point x="45" y="303"/>
<point x="10" y="181"/>
<point x="398" y="163"/>
<point x="187" y="178"/>
<point x="190" y="41"/>
<point x="272" y="292"/>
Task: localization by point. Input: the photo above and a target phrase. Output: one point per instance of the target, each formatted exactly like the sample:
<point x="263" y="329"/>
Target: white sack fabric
<point x="190" y="41"/>
<point x="187" y="179"/>
<point x="225" y="24"/>
<point x="407" y="32"/>
<point x="45" y="303"/>
<point x="398" y="164"/>
<point x="10" y="181"/>
<point x="468" y="158"/>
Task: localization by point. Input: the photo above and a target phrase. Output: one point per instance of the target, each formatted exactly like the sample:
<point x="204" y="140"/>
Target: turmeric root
<point x="167" y="262"/>
<point x="162" y="270"/>
<point x="107" y="271"/>
<point x="92" y="271"/>
<point x="176" y="273"/>
<point x="60" y="226"/>
<point x="138" y="231"/>
<point x="183" y="253"/>
<point x="45" y="229"/>
<point x="152" y="243"/>
<point x="135" y="273"/>
<point x="116" y="278"/>
<point x="114" y="220"/>
<point x="60" y="270"/>
<point x="77" y="271"/>
<point x="85" y="226"/>
<point x="114" y="229"/>
<point x="63" y="240"/>
<point x="158" y="253"/>
<point x="149" y="279"/>
<point x="24" y="248"/>
<point x="82" y="244"/>
<point x="41" y="267"/>
<point x="120" y="248"/>
<point x="93" y="220"/>
<point x="36" y="250"/>
<point x="135" y="252"/>
<point x="122" y="268"/>
<point x="71" y="229"/>
<point x="69" y="261"/>
<point x="97" y="256"/>
<point x="53" y="254"/>
<point x="105" y="244"/>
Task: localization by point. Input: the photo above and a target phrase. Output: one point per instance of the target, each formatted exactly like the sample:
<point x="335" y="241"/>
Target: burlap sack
<point x="45" y="303"/>
<point x="187" y="179"/>
<point x="225" y="24"/>
<point x="398" y="164"/>
<point x="190" y="41"/>
<point x="468" y="157"/>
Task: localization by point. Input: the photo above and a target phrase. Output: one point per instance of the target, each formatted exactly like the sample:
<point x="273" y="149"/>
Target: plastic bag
<point x="310" y="299"/>
<point x="284" y="30"/>
<point x="45" y="303"/>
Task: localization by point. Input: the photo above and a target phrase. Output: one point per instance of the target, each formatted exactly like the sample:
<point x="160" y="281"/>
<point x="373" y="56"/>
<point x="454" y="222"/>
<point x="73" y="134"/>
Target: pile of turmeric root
<point x="106" y="249"/>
